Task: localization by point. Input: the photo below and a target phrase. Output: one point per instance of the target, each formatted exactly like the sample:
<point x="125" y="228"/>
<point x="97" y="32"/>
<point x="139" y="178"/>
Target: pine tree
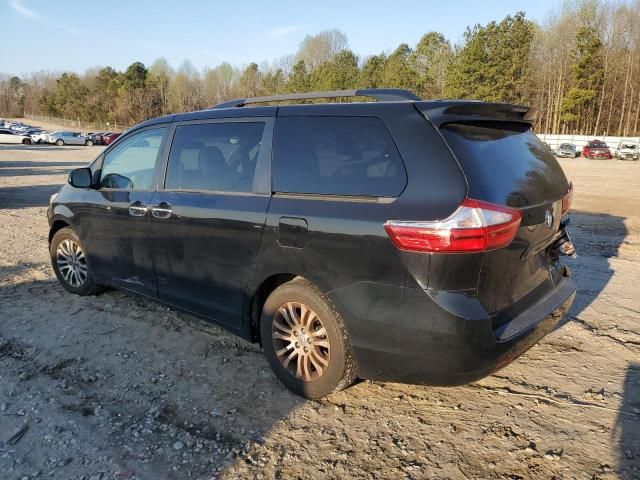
<point x="587" y="78"/>
<point x="493" y="63"/>
<point x="336" y="74"/>
<point x="399" y="71"/>
<point x="298" y="81"/>
<point x="372" y="72"/>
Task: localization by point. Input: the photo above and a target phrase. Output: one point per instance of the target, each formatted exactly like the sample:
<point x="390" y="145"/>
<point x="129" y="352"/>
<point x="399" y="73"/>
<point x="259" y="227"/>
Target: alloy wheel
<point x="72" y="263"/>
<point x="300" y="341"/>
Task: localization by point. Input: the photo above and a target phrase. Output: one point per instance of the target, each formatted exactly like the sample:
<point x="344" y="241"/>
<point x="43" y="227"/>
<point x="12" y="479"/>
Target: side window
<point x="336" y="156"/>
<point x="217" y="157"/>
<point x="130" y="166"/>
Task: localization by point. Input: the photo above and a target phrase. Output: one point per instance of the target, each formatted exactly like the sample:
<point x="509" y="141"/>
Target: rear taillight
<point x="567" y="199"/>
<point x="475" y="226"/>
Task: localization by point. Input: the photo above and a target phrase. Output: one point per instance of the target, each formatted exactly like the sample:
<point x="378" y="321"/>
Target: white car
<point x="627" y="150"/>
<point x="41" y="137"/>
<point x="7" y="136"/>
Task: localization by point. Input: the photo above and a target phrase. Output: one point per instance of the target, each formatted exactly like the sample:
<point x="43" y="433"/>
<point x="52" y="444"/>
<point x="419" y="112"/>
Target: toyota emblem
<point x="548" y="218"/>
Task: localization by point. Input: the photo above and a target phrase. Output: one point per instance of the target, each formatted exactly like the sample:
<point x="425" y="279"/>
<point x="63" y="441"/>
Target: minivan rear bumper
<point x="441" y="338"/>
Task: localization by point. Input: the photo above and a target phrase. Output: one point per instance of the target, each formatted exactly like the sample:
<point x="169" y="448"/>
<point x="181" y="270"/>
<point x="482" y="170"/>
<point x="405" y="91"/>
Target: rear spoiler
<point x="441" y="112"/>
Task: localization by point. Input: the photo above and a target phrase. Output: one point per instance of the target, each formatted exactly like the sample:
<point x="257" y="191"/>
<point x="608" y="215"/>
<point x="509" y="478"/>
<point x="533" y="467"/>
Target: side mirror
<point x="80" y="178"/>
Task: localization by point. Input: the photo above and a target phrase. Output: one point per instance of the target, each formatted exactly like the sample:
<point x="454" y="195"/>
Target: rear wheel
<point x="305" y="341"/>
<point x="69" y="262"/>
<point x="26" y="141"/>
<point x="88" y="143"/>
<point x="59" y="142"/>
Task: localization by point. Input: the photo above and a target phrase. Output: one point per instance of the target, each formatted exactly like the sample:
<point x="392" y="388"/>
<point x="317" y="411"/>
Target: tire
<point x="26" y="141"/>
<point x="60" y="250"/>
<point x="60" y="142"/>
<point x="88" y="143"/>
<point x="333" y="346"/>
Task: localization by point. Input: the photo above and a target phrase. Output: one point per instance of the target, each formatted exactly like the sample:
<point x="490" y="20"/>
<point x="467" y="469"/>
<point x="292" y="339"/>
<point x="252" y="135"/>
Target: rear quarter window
<point x="505" y="163"/>
<point x="336" y="156"/>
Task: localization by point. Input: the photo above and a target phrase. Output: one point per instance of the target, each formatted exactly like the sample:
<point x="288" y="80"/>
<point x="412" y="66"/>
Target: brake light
<point x="567" y="199"/>
<point x="475" y="226"/>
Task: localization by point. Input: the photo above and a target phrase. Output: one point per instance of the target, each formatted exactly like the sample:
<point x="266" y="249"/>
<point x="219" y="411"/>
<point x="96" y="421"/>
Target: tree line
<point x="579" y="70"/>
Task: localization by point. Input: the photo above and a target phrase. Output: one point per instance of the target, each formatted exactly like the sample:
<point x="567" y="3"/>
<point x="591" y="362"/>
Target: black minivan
<point x="396" y="240"/>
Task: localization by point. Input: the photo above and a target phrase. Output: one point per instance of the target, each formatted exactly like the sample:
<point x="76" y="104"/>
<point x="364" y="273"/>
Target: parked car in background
<point x="627" y="150"/>
<point x="9" y="136"/>
<point x="20" y="128"/>
<point x="96" y="137"/>
<point x="399" y="240"/>
<point x="108" y="138"/>
<point x="68" y="138"/>
<point x="567" y="150"/>
<point x="596" y="149"/>
<point x="41" y="137"/>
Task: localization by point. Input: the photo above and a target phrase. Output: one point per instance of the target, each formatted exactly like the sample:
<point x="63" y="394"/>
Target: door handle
<point x="137" y="209"/>
<point x="161" y="211"/>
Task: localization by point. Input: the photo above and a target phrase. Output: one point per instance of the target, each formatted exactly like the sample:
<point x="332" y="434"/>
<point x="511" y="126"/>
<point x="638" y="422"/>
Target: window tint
<point x="506" y="163"/>
<point x="336" y="156"/>
<point x="131" y="164"/>
<point x="218" y="157"/>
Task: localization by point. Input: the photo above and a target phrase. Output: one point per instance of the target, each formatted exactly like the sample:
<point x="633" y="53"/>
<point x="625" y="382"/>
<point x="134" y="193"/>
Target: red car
<point x="109" y="138"/>
<point x="596" y="149"/>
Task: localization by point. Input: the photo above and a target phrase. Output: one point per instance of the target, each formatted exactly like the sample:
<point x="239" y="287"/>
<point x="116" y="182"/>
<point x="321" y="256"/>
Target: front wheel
<point x="59" y="142"/>
<point x="26" y="141"/>
<point x="305" y="340"/>
<point x="69" y="262"/>
<point x="88" y="143"/>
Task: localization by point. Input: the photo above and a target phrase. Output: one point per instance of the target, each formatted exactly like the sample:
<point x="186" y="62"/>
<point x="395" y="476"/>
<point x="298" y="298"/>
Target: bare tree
<point x="322" y="47"/>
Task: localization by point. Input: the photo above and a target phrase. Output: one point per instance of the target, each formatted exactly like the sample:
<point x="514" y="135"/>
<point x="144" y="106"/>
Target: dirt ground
<point x="114" y="387"/>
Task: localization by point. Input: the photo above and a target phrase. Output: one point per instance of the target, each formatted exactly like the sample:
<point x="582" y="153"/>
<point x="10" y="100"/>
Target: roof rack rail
<point x="380" y="94"/>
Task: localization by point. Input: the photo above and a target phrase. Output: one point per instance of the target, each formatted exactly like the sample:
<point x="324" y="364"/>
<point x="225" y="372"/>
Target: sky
<point x="67" y="35"/>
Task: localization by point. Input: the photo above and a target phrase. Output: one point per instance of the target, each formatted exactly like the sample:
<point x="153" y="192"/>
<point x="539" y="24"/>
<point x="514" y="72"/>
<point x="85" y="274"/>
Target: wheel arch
<point x="260" y="295"/>
<point x="57" y="225"/>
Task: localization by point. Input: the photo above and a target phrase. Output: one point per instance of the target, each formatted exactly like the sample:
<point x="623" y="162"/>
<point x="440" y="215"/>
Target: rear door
<point x="506" y="164"/>
<point x="207" y="220"/>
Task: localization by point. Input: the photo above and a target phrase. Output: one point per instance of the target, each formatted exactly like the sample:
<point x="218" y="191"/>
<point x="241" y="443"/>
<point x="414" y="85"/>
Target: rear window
<point x="336" y="156"/>
<point x="505" y="163"/>
<point x="218" y="157"/>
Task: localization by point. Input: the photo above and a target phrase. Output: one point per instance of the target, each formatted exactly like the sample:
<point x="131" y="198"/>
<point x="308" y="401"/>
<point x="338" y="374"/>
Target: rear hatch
<point x="506" y="164"/>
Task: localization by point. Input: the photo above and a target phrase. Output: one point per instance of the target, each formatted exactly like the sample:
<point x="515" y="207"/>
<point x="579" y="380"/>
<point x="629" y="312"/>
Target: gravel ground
<point x="114" y="387"/>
